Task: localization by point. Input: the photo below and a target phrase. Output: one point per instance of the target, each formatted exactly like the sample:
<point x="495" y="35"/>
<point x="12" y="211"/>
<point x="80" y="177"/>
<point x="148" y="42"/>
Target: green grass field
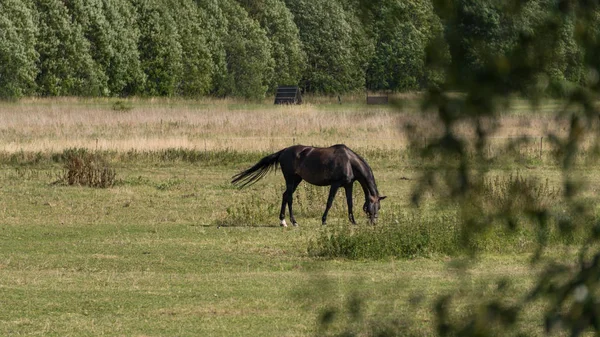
<point x="172" y="249"/>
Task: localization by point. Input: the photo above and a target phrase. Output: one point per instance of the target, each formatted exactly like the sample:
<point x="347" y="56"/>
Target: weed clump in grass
<point x="405" y="236"/>
<point x="449" y="231"/>
<point x="507" y="192"/>
<point x="86" y="169"/>
<point x="254" y="212"/>
<point x="122" y="106"/>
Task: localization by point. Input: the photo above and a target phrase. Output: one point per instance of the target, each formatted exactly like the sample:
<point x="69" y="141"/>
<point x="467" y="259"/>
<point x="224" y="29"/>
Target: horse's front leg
<point x="332" y="192"/>
<point x="348" y="189"/>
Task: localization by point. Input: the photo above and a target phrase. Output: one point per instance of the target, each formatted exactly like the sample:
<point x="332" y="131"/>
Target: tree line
<point x="245" y="48"/>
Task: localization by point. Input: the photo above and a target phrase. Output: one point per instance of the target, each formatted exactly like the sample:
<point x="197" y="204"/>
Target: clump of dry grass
<point x="86" y="169"/>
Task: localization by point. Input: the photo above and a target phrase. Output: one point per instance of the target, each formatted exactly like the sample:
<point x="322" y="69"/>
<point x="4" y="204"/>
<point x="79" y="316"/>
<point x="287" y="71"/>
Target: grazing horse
<point x="337" y="166"/>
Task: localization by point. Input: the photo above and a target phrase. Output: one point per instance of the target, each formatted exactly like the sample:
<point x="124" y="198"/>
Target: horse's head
<point x="371" y="207"/>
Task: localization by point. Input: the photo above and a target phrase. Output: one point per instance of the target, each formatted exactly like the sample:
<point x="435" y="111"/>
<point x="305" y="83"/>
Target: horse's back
<point x="338" y="152"/>
<point x="318" y="165"/>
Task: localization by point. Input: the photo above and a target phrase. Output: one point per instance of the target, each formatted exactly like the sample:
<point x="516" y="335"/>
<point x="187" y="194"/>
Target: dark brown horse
<point x="337" y="166"/>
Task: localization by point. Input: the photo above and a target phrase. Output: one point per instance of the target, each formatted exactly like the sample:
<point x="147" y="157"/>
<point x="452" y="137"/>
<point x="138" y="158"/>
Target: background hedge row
<point x="245" y="48"/>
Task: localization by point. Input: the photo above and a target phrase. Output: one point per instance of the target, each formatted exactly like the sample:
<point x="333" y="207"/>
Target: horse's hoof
<point x="283" y="223"/>
<point x="295" y="224"/>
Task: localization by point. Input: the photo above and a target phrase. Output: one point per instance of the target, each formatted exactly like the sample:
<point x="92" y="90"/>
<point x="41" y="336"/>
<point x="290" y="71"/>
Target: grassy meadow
<point x="172" y="249"/>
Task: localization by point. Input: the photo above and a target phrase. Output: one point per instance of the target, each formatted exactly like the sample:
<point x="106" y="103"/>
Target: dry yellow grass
<point x="50" y="125"/>
<point x="53" y="125"/>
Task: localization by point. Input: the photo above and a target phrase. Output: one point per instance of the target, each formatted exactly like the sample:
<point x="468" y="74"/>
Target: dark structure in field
<point x="288" y="95"/>
<point x="377" y="99"/>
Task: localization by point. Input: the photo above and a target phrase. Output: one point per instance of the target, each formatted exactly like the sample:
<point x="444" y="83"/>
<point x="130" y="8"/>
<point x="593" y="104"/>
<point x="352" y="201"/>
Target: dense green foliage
<point x="499" y="49"/>
<point x="247" y="48"/>
<point x="401" y="30"/>
<point x="284" y="39"/>
<point x="65" y="65"/>
<point x="249" y="62"/>
<point x="335" y="45"/>
<point x="17" y="49"/>
<point x="110" y="29"/>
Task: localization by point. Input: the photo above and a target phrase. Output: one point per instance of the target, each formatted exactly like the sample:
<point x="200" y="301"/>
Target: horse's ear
<point x="383" y="197"/>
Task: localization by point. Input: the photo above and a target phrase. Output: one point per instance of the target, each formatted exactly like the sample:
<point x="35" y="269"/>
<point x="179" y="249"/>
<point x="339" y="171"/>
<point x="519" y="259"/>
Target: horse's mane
<point x="368" y="172"/>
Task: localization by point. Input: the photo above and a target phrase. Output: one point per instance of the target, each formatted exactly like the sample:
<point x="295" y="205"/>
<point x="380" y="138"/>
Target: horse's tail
<point x="256" y="172"/>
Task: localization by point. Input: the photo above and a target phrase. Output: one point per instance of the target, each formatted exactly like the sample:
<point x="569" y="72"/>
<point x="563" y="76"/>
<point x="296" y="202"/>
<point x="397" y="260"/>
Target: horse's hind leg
<point x="297" y="181"/>
<point x="287" y="198"/>
<point x="282" y="213"/>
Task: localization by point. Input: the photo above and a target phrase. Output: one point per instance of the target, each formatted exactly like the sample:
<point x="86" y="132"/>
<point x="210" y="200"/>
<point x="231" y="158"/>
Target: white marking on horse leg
<point x="283" y="223"/>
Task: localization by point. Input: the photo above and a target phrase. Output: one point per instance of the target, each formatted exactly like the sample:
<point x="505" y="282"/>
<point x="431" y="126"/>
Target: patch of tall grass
<point x="386" y="158"/>
<point x="169" y="155"/>
<point x="257" y="211"/>
<point x="260" y="207"/>
<point x="437" y="231"/>
<point x="504" y="192"/>
<point x="406" y="235"/>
